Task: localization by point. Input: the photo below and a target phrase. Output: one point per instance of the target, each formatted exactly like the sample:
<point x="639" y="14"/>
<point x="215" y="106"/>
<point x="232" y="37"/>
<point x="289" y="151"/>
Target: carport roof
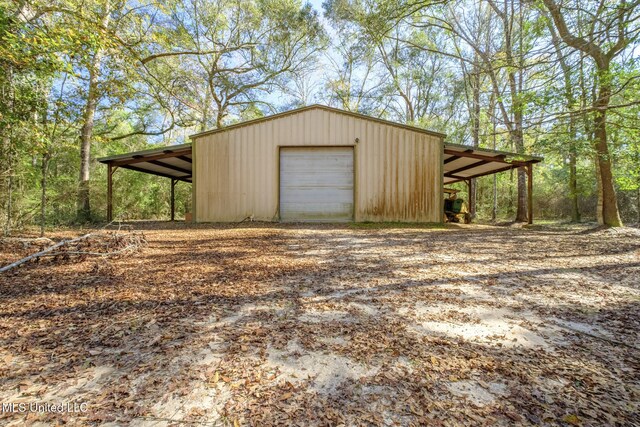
<point x="173" y="161"/>
<point x="462" y="162"/>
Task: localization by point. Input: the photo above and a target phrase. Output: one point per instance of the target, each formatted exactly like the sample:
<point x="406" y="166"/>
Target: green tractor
<point x="455" y="209"/>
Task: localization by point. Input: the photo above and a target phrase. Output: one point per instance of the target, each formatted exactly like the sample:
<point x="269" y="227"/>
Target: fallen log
<point x="43" y="252"/>
<point x="114" y="244"/>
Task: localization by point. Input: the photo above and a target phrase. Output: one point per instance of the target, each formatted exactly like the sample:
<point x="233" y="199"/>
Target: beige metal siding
<point x="397" y="171"/>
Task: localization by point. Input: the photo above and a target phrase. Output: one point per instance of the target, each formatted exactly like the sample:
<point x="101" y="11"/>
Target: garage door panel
<point x="323" y="195"/>
<point x="316" y="184"/>
<point x="320" y="180"/>
<point x="301" y="165"/>
<point x="331" y="212"/>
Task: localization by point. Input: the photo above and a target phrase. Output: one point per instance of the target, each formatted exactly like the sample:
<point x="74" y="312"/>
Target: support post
<point x="468" y="217"/>
<point x="110" y="193"/>
<point x="173" y="199"/>
<point x="530" y="193"/>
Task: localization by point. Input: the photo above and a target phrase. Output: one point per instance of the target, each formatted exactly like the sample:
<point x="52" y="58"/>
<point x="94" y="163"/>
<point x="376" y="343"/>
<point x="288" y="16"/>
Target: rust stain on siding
<point x="409" y="189"/>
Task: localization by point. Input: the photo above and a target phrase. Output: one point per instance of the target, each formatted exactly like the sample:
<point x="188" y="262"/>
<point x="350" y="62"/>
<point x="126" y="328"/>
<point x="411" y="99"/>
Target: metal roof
<point x="462" y="162"/>
<point x="173" y="161"/>
<point x="321" y="107"/>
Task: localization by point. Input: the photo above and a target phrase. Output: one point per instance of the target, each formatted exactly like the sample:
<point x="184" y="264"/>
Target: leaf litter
<point x="325" y="325"/>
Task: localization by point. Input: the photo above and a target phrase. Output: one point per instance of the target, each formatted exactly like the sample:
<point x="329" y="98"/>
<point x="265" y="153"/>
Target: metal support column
<point x="110" y="193"/>
<point x="173" y="199"/>
<point x="530" y="193"/>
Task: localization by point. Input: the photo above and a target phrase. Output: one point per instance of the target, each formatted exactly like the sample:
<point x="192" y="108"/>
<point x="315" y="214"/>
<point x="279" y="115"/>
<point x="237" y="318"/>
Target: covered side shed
<point x="318" y="163"/>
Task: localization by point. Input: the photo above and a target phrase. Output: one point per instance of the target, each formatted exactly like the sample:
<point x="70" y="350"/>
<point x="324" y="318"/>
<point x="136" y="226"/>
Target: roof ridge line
<point x="322" y="107"/>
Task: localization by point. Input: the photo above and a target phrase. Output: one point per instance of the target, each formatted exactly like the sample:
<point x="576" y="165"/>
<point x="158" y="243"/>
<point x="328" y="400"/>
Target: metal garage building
<point x="317" y="164"/>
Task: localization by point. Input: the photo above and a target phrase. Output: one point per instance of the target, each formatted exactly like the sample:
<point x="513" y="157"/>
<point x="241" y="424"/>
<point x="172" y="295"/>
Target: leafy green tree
<point x="602" y="32"/>
<point x="233" y="53"/>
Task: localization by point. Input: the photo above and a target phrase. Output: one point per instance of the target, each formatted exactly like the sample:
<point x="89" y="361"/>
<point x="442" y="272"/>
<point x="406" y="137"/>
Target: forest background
<point x="84" y="79"/>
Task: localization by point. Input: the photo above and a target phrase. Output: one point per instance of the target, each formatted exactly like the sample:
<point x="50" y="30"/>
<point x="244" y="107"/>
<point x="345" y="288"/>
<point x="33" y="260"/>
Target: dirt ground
<point x="261" y="324"/>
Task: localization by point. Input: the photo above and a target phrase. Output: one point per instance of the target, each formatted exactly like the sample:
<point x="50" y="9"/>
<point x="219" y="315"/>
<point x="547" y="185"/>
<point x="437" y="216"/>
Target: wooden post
<point x="530" y="193"/>
<point x="173" y="199"/>
<point x="110" y="193"/>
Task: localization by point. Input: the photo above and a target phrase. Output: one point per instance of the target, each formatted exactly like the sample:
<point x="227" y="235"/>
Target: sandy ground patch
<point x="263" y="324"/>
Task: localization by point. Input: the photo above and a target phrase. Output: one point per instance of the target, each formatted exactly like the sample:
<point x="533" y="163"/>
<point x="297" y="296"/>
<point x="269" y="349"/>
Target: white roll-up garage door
<point x="316" y="184"/>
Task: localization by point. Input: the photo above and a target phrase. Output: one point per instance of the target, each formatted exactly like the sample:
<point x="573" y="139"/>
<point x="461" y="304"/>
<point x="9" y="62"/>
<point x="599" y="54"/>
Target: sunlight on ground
<point x="268" y="325"/>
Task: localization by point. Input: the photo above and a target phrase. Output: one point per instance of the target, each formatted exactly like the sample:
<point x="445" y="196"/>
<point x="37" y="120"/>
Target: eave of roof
<point x="518" y="157"/>
<point x="143" y="153"/>
<point x="173" y="161"/>
<point x="462" y="162"/>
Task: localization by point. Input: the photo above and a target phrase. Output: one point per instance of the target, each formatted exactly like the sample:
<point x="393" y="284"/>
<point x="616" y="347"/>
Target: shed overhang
<point x="462" y="163"/>
<point x="173" y="161"/>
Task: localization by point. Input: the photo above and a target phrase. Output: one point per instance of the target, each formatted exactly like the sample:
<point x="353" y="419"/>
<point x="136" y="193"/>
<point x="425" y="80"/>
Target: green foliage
<point x="229" y="55"/>
<point x="168" y="69"/>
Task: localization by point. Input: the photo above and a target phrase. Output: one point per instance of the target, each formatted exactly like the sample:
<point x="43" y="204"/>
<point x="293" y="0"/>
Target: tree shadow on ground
<point x="254" y="309"/>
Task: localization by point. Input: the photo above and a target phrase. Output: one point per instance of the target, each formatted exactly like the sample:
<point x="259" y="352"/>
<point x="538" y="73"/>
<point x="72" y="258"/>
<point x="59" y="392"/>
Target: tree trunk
<point x="475" y="132"/>
<point x="638" y="191"/>
<point x="573" y="159"/>
<point x="84" y="205"/>
<point x="607" y="212"/>
<point x="93" y="96"/>
<point x="45" y="89"/>
<point x="43" y="196"/>
<point x="515" y="78"/>
<point x="573" y="155"/>
<point x="608" y="202"/>
<point x="570" y="103"/>
<point x="221" y="114"/>
<point x="473" y="194"/>
<point x="7" y="226"/>
<point x="7" y="169"/>
<point x="510" y="206"/>
<point x="573" y="186"/>
<point x="523" y="200"/>
<point x="638" y="205"/>
<point x="219" y="117"/>
<point x="205" y="112"/>
<point x="588" y="97"/>
<point x="7" y="150"/>
<point x="494" y="209"/>
<point x="599" y="216"/>
<point x="521" y="214"/>
<point x="521" y="210"/>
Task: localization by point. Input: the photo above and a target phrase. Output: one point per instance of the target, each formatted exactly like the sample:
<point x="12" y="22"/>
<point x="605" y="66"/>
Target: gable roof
<point x="318" y="107"/>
